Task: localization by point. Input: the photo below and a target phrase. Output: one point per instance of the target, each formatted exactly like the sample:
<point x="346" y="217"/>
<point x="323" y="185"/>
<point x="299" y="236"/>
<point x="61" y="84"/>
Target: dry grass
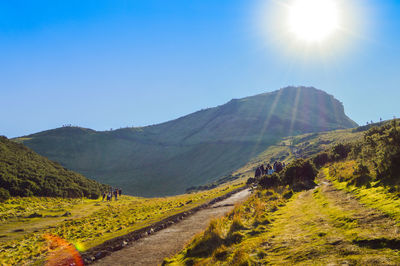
<point x="92" y="222"/>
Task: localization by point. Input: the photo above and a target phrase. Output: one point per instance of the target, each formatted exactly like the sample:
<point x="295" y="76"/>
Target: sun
<point x="313" y="20"/>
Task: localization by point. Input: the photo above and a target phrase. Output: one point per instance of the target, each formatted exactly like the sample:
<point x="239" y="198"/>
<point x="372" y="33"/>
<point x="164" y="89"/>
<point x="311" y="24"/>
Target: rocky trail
<point x="151" y="250"/>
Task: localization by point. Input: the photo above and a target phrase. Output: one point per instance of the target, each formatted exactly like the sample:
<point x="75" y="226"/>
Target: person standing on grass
<point x="120" y="192"/>
<point x="109" y="196"/>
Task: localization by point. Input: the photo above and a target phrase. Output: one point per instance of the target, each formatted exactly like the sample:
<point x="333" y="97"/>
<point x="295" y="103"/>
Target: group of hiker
<point x="113" y="192"/>
<point x="269" y="169"/>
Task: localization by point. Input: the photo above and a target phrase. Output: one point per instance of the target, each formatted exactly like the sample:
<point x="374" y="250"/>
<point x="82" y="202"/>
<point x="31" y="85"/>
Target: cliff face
<point x="195" y="149"/>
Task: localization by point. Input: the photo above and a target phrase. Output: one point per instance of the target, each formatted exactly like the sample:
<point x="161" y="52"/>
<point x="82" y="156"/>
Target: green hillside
<point x="196" y="149"/>
<point x="25" y="173"/>
<point x="349" y="217"/>
<point x="301" y="146"/>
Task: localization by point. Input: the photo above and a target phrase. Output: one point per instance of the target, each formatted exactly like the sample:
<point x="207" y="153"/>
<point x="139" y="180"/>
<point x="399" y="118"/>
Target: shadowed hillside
<point x="25" y="173"/>
<point x="195" y="149"/>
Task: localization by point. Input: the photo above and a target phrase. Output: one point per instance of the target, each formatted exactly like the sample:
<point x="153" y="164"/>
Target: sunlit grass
<point x="228" y="240"/>
<point x="85" y="228"/>
<point x="374" y="196"/>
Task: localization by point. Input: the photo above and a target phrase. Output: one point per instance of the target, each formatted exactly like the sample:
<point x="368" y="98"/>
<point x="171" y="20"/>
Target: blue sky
<point x="110" y="64"/>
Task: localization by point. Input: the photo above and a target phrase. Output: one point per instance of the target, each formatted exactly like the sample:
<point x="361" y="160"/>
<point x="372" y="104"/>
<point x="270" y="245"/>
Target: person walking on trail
<point x="262" y="169"/>
<point x="109" y="196"/>
<point x="115" y="194"/>
<point x="257" y="173"/>
<point x="120" y="192"/>
<point x="104" y="195"/>
<point x="270" y="170"/>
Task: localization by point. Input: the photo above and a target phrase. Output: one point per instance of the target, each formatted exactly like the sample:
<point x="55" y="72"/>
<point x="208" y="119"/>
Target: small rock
<point x="99" y="255"/>
<point x="35" y="215"/>
<point x="66" y="214"/>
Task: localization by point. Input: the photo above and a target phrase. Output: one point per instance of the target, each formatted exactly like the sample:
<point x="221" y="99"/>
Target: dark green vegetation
<point x="376" y="156"/>
<point x="352" y="217"/>
<point x="25" y="173"/>
<point x="193" y="150"/>
<point x="299" y="175"/>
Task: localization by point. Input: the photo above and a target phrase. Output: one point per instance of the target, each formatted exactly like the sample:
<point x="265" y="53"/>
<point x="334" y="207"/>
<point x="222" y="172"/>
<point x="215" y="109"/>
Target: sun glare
<point x="313" y="20"/>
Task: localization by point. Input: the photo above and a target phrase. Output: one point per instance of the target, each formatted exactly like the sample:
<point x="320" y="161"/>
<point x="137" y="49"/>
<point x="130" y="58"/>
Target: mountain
<point x="25" y="173"/>
<point x="167" y="158"/>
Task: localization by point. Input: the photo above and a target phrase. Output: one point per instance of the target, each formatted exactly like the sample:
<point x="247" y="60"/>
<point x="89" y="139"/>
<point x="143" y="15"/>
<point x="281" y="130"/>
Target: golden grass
<point x="92" y="222"/>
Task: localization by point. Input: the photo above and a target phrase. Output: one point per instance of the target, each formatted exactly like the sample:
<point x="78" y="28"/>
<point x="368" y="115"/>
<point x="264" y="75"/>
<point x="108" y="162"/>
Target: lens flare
<point x="62" y="252"/>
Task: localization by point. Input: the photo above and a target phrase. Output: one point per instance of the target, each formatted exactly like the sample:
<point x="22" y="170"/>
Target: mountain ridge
<point x="167" y="158"/>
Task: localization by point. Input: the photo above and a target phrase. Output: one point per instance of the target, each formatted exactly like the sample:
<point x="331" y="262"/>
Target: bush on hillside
<point x="4" y="194"/>
<point x="361" y="175"/>
<point x="251" y="180"/>
<point x="381" y="150"/>
<point x="299" y="175"/>
<point x="340" y="151"/>
<point x="321" y="159"/>
<point x="267" y="181"/>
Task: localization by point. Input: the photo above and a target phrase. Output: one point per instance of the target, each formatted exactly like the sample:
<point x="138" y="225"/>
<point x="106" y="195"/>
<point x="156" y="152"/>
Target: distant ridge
<point x="195" y="149"/>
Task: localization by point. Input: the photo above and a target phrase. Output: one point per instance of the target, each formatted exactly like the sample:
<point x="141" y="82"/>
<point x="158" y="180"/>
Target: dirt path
<point x="154" y="248"/>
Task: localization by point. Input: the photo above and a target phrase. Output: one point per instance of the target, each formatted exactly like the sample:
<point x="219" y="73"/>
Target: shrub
<point x="361" y="175"/>
<point x="299" y="175"/>
<point x="4" y="194"/>
<point x="340" y="151"/>
<point x="250" y="181"/>
<point x="321" y="159"/>
<point x="299" y="171"/>
<point x="380" y="149"/>
<point x="268" y="181"/>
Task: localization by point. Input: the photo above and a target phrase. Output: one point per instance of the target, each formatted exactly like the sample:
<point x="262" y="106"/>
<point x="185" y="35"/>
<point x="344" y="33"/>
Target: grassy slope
<point x="92" y="221"/>
<point x="25" y="173"/>
<point x="195" y="149"/>
<point x="320" y="226"/>
<point x="301" y="146"/>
